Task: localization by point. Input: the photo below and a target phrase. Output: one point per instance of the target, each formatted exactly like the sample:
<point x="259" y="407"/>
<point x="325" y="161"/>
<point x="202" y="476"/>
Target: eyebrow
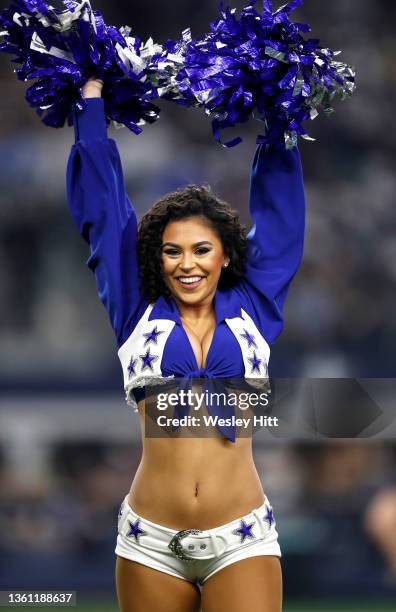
<point x="178" y="245"/>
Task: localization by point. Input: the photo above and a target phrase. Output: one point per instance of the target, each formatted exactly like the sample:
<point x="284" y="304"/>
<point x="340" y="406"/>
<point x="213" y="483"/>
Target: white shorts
<point x="192" y="554"/>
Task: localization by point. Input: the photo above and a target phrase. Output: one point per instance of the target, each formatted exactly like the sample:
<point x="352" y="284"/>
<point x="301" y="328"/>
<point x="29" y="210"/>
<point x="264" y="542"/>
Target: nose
<point x="187" y="262"/>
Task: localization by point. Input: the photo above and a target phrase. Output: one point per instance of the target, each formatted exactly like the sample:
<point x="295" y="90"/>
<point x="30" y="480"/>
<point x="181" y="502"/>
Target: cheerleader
<point x="190" y="296"/>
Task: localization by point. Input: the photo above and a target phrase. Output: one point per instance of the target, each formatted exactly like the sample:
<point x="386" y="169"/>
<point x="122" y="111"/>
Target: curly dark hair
<point x="187" y="202"/>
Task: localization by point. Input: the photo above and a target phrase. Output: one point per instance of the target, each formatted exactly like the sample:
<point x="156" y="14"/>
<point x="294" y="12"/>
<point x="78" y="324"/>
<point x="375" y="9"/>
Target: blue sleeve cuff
<point x="90" y="124"/>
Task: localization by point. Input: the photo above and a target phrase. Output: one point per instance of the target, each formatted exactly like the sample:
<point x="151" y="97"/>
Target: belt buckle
<point x="175" y="543"/>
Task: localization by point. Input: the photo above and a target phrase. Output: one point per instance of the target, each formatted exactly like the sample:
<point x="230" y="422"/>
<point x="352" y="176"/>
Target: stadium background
<point x="69" y="445"/>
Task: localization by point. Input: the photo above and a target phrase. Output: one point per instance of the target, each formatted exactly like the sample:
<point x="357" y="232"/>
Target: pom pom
<point x="61" y="50"/>
<point x="257" y="65"/>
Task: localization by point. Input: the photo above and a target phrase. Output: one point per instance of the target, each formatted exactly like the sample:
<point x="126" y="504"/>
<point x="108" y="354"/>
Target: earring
<point x="225" y="265"/>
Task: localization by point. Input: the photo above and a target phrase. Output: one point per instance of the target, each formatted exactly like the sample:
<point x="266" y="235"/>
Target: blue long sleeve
<point x="275" y="243"/>
<point x="104" y="216"/>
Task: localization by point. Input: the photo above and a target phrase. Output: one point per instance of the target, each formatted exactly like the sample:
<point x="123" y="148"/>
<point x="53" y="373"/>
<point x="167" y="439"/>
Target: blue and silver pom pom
<point x="61" y="50"/>
<point x="259" y="64"/>
<point x="255" y="65"/>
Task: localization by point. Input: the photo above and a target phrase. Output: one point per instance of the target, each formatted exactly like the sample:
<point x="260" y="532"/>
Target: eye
<point x="171" y="252"/>
<point x="202" y="250"/>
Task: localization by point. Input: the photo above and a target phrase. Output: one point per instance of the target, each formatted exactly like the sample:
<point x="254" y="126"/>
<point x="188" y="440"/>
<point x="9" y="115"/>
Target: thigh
<point x="252" y="585"/>
<point x="141" y="588"/>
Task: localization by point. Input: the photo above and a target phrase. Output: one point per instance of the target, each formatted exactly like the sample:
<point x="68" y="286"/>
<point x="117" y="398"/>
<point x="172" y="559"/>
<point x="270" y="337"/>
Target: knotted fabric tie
<point x="215" y="397"/>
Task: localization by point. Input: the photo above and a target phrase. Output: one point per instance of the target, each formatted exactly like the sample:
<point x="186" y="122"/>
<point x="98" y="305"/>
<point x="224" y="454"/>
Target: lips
<point x="189" y="282"/>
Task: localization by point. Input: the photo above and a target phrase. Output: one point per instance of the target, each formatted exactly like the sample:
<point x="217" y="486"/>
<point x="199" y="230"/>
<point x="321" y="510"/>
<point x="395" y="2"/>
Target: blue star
<point x="147" y="360"/>
<point x="255" y="361"/>
<point x="152" y="336"/>
<point x="249" y="338"/>
<point x="245" y="531"/>
<point x="120" y="512"/>
<point x="269" y="516"/>
<point x="135" y="531"/>
<point x="131" y="367"/>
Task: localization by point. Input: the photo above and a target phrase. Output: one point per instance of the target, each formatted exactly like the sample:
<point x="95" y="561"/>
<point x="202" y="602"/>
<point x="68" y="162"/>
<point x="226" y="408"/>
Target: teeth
<point x="189" y="281"/>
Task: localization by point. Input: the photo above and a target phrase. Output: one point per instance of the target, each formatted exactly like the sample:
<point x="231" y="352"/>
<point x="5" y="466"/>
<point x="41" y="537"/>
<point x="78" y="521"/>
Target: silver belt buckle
<point x="175" y="543"/>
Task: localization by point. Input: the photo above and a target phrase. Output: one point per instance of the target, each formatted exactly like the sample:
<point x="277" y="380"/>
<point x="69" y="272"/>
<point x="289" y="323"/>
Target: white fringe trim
<point x="143" y="381"/>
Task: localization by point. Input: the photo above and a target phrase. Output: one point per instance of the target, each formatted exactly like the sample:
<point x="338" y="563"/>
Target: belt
<point x="194" y="544"/>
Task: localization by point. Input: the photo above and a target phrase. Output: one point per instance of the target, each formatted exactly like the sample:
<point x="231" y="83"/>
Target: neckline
<point x="179" y="321"/>
<point x="192" y="350"/>
<point x="224" y="304"/>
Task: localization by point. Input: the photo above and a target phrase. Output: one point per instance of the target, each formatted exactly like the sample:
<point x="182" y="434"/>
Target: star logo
<point x="269" y="516"/>
<point x="131" y="367"/>
<point x="152" y="336"/>
<point x="120" y="512"/>
<point x="244" y="531"/>
<point x="135" y="530"/>
<point x="147" y="360"/>
<point x="249" y="338"/>
<point x="255" y="361"/>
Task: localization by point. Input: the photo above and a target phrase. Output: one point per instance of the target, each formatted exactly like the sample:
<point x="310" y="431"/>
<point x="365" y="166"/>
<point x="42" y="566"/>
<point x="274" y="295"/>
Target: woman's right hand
<point x="92" y="88"/>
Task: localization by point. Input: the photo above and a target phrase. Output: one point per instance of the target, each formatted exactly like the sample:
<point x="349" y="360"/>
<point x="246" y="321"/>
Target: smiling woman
<point x="216" y="218"/>
<point x="189" y="263"/>
<point x="190" y="296"/>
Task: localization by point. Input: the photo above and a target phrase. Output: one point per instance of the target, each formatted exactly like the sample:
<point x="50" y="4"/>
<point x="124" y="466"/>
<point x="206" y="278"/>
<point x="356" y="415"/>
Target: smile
<point x="190" y="282"/>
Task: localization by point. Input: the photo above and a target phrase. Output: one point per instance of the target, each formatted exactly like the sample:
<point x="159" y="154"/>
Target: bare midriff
<point x="190" y="482"/>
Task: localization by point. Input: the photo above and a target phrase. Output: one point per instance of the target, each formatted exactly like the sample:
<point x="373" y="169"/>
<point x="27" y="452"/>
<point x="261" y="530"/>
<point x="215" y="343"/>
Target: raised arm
<point x="277" y="208"/>
<point x="104" y="216"/>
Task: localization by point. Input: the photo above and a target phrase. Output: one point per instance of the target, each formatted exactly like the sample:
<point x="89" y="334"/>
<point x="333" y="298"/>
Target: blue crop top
<point x="152" y="343"/>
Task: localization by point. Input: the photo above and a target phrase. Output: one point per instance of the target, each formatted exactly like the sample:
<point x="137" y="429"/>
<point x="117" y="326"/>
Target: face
<point x="192" y="258"/>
